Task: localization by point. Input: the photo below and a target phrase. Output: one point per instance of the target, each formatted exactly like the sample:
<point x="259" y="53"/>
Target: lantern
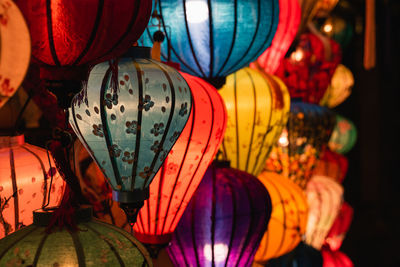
<point x="340" y="227"/>
<point x="335" y="259"/>
<point x="129" y="132"/>
<point x="340" y="87"/>
<point x="302" y="256"/>
<point x="94" y="244"/>
<point x="257" y="107"/>
<point x="15" y="49"/>
<point x="344" y="135"/>
<point x="324" y="7"/>
<point x="332" y="165"/>
<point x="289" y="20"/>
<point x="224" y="222"/>
<point x="300" y="144"/>
<point x="183" y="169"/>
<point x="307" y="72"/>
<point x="212" y="39"/>
<point x="28" y="181"/>
<point x="324" y="201"/>
<point x="338" y="29"/>
<point x="288" y="218"/>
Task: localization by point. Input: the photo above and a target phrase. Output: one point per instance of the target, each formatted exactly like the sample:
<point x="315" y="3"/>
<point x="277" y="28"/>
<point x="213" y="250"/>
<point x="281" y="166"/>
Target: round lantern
<point x="15" y="49"/>
<point x="340" y="87"/>
<point x="340" y="227"/>
<point x="224" y="222"/>
<point x="302" y="256"/>
<point x="332" y="165"/>
<point x="308" y="71"/>
<point x="288" y="218"/>
<point x="212" y="39"/>
<point x="94" y="244"/>
<point x="183" y="169"/>
<point x="338" y="29"/>
<point x="344" y="135"/>
<point x="335" y="258"/>
<point x="28" y="181"/>
<point x="324" y="198"/>
<point x="130" y="131"/>
<point x="324" y="7"/>
<point x="289" y="20"/>
<point x="300" y="144"/>
<point x="257" y="107"/>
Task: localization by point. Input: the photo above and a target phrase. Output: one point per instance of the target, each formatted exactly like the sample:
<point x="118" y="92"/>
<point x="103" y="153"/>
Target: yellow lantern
<point x="288" y="219"/>
<point x="340" y="87"/>
<point x="257" y="105"/>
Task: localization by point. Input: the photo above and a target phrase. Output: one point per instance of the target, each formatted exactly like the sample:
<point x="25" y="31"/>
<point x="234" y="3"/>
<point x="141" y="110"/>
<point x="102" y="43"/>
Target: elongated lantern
<point x="28" y="181"/>
<point x="288" y="218"/>
<point x="332" y="165"/>
<point x="344" y="135"/>
<point x="15" y="49"/>
<point x="257" y="105"/>
<point x="339" y="89"/>
<point x="302" y="256"/>
<point x="129" y="132"/>
<point x="341" y="225"/>
<point x="289" y="20"/>
<point x="212" y="39"/>
<point x="335" y="258"/>
<point x="224" y="222"/>
<point x="183" y="169"/>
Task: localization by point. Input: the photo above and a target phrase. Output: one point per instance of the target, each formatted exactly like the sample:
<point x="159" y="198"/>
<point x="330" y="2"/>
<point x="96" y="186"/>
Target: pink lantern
<point x="335" y="258"/>
<point x="340" y="227"/>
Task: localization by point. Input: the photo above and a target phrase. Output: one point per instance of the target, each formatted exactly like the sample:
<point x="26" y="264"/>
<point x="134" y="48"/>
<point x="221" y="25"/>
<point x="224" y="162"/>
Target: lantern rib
<point x="254" y="120"/>
<point x="232" y="193"/>
<point x="80" y="254"/>
<point x="15" y="189"/>
<point x="158" y="211"/>
<point x="50" y="33"/>
<point x="39" y="249"/>
<point x="237" y="121"/>
<point x="28" y="232"/>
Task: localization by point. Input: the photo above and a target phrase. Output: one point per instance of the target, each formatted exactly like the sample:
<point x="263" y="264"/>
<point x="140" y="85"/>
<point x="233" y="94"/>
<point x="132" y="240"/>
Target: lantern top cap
<point x="138" y="52"/>
<point x="10" y="141"/>
<point x="42" y="217"/>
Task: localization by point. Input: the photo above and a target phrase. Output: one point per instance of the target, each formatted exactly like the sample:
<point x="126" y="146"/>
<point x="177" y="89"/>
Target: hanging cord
<point x="21" y="112"/>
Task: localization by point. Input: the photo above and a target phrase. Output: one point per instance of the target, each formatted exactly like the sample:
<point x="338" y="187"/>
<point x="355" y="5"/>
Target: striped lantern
<point x="257" y="105"/>
<point x="25" y="182"/>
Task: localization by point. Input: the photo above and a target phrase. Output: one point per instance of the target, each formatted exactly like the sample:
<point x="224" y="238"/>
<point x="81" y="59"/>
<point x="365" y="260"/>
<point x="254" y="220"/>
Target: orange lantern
<point x="28" y="181"/>
<point x="333" y="165"/>
<point x="288" y="219"/>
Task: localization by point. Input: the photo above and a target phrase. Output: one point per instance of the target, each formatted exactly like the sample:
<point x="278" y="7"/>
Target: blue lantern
<point x="214" y="38"/>
<point x="129" y="130"/>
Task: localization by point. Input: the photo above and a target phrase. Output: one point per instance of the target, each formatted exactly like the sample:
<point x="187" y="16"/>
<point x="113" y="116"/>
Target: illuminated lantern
<point x="257" y="107"/>
<point x="338" y="29"/>
<point x="340" y="227"/>
<point x="340" y="87"/>
<point x="211" y="39"/>
<point x="308" y="71"/>
<point x="130" y="131"/>
<point x="288" y="218"/>
<point x="224" y="222"/>
<point x="332" y="165"/>
<point x="15" y="49"/>
<point x="324" y="201"/>
<point x="289" y="20"/>
<point x="183" y="169"/>
<point x="324" y="7"/>
<point x="344" y="135"/>
<point x="335" y="259"/>
<point x="300" y="144"/>
<point x="26" y="183"/>
<point x="307" y="14"/>
<point x="94" y="244"/>
<point x="302" y="256"/>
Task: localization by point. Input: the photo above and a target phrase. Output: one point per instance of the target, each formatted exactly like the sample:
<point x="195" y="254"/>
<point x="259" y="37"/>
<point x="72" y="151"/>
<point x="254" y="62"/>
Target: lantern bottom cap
<point x="42" y="217"/>
<point x="161" y="240"/>
<point x="137" y="195"/>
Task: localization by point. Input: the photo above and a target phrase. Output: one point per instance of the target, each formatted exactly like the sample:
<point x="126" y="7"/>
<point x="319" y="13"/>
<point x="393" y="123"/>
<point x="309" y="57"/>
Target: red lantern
<point x="335" y="259"/>
<point x="289" y="20"/>
<point x="333" y="165"/>
<point x="182" y="171"/>
<point x="340" y="227"/>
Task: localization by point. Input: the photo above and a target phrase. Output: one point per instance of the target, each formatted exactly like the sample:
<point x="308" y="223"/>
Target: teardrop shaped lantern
<point x="15" y="49"/>
<point x="332" y="165"/>
<point x="224" y="222"/>
<point x="289" y="20"/>
<point x="339" y="228"/>
<point x="302" y="256"/>
<point x="257" y="105"/>
<point x="306" y="135"/>
<point x="288" y="218"/>
<point x="183" y="169"/>
<point x="335" y="258"/>
<point x="324" y="198"/>
<point x="344" y="135"/>
<point x="129" y="132"/>
<point x="28" y="181"/>
<point x="340" y="87"/>
<point x="212" y="39"/>
<point x="94" y="244"/>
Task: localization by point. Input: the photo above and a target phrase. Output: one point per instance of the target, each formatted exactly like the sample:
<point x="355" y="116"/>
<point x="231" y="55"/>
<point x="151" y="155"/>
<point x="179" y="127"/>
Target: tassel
<point x="370" y="35"/>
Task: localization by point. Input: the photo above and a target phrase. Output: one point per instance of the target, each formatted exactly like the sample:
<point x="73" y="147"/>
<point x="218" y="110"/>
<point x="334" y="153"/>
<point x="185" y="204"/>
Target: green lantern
<point x="344" y="135"/>
<point x="94" y="244"/>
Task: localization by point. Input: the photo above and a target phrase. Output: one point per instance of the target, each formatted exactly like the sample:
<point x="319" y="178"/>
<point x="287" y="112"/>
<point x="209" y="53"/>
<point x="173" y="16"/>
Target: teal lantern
<point x="129" y="130"/>
<point x="344" y="135"/>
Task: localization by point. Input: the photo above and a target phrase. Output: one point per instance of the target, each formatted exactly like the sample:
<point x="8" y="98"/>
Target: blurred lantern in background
<point x="340" y="87"/>
<point x="28" y="181"/>
<point x="344" y="135"/>
<point x="183" y="169"/>
<point x="338" y="29"/>
<point x="324" y="198"/>
<point x="288" y="218"/>
<point x="289" y="20"/>
<point x="332" y="165"/>
<point x="302" y="256"/>
<point x="224" y="222"/>
<point x="257" y="105"/>
<point x="309" y="69"/>
<point x="212" y="39"/>
<point x="324" y="7"/>
<point x="307" y="14"/>
<point x="15" y="49"/>
<point x="130" y="131"/>
<point x="298" y="148"/>
<point x="340" y="227"/>
<point x="335" y="258"/>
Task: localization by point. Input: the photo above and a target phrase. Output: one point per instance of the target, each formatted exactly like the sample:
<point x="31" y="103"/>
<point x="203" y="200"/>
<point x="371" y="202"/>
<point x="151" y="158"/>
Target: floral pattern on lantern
<point x="344" y="135"/>
<point x="339" y="89"/>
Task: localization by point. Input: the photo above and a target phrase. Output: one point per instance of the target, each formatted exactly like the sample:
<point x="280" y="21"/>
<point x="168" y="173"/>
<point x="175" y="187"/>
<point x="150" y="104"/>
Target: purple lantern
<point x="224" y="222"/>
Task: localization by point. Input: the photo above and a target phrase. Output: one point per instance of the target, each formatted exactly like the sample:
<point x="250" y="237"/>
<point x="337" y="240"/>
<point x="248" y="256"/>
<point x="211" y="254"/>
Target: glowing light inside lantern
<point x="297" y="55"/>
<point x="196" y="11"/>
<point x="283" y="139"/>
<point x="220" y="252"/>
<point x="328" y="28"/>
